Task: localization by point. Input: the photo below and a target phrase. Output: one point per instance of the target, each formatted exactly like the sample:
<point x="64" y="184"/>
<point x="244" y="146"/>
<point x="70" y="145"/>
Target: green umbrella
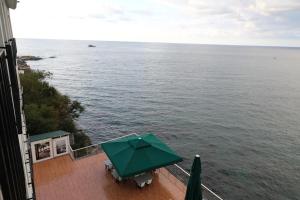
<point x="136" y="154"/>
<point x="194" y="190"/>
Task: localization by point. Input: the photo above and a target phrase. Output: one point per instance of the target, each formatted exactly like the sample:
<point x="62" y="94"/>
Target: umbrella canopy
<point x="194" y="190"/>
<point x="136" y="154"/>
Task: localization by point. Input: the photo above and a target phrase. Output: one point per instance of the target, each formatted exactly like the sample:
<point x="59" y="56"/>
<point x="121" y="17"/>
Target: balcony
<point x="82" y="175"/>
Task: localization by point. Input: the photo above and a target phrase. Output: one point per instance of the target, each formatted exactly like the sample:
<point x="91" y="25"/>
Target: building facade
<point x="15" y="157"/>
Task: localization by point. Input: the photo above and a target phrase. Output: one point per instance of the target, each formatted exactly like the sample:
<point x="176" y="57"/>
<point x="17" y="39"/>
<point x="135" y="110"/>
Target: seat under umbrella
<point x="136" y="154"/>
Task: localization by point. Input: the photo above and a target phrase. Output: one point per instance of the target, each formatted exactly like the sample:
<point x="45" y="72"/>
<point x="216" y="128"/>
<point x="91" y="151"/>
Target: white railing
<point x="86" y="151"/>
<point x="91" y="149"/>
<point x="181" y="176"/>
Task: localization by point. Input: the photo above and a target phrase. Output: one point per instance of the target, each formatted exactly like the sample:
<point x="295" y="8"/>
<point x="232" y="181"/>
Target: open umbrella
<point x="136" y="154"/>
<point x="194" y="190"/>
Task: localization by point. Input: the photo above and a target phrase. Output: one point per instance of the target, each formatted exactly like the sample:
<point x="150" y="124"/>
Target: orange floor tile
<point x="85" y="179"/>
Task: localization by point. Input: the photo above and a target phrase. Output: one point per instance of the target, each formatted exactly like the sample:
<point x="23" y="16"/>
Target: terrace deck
<point x="62" y="178"/>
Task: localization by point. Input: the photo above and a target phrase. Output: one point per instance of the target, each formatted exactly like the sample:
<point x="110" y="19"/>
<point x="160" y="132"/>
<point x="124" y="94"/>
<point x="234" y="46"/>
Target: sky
<point x="236" y="22"/>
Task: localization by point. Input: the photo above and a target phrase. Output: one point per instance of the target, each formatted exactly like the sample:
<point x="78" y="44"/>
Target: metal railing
<point x="85" y="151"/>
<point x="11" y="61"/>
<point x="12" y="160"/>
<point x="182" y="177"/>
<point x="174" y="173"/>
<point x="91" y="149"/>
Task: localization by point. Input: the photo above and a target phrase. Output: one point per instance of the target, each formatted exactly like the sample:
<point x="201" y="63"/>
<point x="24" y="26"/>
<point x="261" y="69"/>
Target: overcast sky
<point x="241" y="22"/>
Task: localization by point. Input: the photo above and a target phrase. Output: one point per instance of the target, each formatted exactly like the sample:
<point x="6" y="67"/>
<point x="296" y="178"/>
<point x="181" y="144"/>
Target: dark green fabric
<point x="194" y="190"/>
<point x="136" y="154"/>
<point x="48" y="135"/>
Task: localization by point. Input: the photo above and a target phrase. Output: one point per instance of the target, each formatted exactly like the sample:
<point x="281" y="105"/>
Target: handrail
<point x="91" y="149"/>
<point x="83" y="147"/>
<point x="119" y="137"/>
<point x="102" y="142"/>
<point x="185" y="172"/>
<point x="182" y="170"/>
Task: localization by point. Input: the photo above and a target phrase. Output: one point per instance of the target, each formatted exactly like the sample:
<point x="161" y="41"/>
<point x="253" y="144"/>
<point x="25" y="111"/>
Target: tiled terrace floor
<point x="62" y="178"/>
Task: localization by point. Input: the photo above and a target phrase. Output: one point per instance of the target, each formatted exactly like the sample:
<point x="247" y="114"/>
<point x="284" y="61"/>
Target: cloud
<point x="142" y="12"/>
<point x="270" y="7"/>
<point x="253" y="18"/>
<point x="113" y="13"/>
<point x="195" y="21"/>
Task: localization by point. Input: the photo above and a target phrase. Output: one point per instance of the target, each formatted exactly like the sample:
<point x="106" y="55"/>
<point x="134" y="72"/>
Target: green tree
<point x="46" y="109"/>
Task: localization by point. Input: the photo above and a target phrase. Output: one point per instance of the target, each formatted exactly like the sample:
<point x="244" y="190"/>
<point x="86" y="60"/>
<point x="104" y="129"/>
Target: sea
<point x="238" y="107"/>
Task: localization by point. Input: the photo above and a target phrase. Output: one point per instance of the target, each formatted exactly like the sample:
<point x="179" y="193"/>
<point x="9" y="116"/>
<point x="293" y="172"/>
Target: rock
<point x="29" y="58"/>
<point x="22" y="61"/>
<point x="22" y="65"/>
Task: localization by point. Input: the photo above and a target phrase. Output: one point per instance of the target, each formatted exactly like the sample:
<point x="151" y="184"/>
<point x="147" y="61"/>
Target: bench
<point x="143" y="179"/>
<point x="108" y="165"/>
<point x="115" y="174"/>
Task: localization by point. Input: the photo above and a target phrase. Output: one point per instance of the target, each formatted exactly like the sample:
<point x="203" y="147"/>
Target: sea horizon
<point x="175" y="43"/>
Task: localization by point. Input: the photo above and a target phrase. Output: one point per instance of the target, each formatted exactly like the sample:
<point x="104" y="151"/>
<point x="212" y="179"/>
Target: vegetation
<point x="46" y="109"/>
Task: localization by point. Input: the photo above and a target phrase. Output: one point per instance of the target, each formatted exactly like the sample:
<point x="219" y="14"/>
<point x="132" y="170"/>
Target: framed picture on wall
<point x="42" y="150"/>
<point x="61" y="147"/>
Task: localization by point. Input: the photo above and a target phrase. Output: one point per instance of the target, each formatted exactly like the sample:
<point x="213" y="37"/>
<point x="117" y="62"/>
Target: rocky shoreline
<point x="22" y="61"/>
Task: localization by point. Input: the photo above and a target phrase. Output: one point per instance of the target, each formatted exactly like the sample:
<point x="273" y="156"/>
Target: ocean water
<point x="238" y="107"/>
